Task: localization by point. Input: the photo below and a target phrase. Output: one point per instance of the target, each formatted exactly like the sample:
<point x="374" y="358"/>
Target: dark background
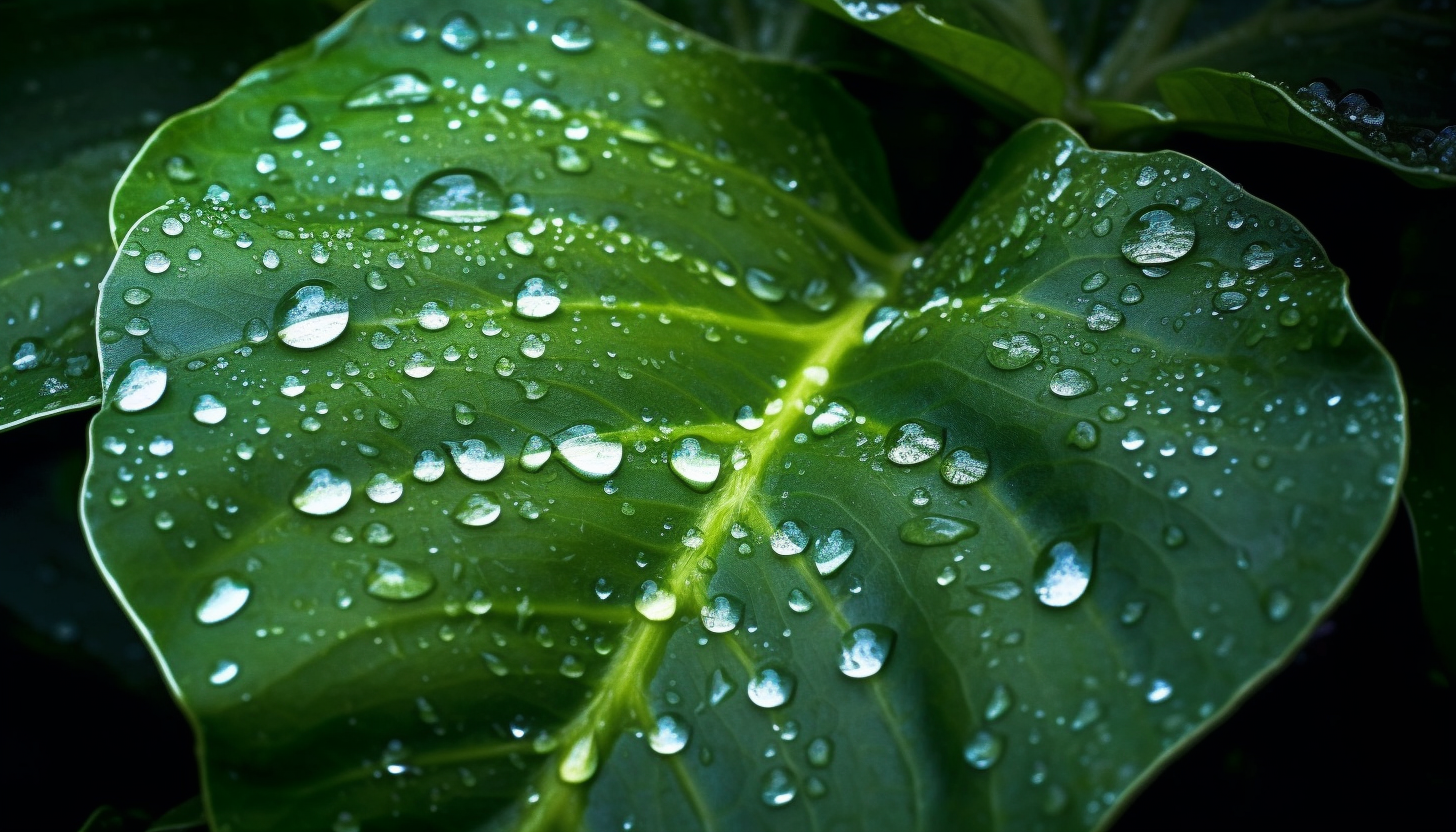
<point x="1356" y="733"/>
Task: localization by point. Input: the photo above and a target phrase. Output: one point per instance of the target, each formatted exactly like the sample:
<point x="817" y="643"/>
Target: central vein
<point x="559" y="804"/>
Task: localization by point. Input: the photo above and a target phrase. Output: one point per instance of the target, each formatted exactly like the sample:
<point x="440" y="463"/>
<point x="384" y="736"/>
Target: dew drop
<point x="225" y="598"/>
<point x="478" y="510"/>
<point x="399" y="580"/>
<point x="832" y="550"/>
<point x="224" y="672"/>
<point x="322" y="491"/>
<point x="429" y="465"/>
<point x="535" y="453"/>
<point x="935" y="530"/>
<point x="572" y="35"/>
<point x="480" y="460"/>
<point x="1158" y="235"/>
<point x="406" y="87"/>
<point x="383" y="489"/>
<point x="1070" y="382"/>
<point x="695" y="463"/>
<point x="655" y="603"/>
<point x="669" y="735"/>
<point x="1063" y="571"/>
<point x="864" y="650"/>
<point x="141" y="385"/>
<point x="459" y="197"/>
<point x="834" y="416"/>
<point x="1013" y="350"/>
<point x="459" y="32"/>
<point x="984" y="749"/>
<point x="536" y="299"/>
<point x="964" y="466"/>
<point x="157" y="262"/>
<point x="789" y="539"/>
<point x="771" y="687"/>
<point x="289" y="122"/>
<point x="913" y="442"/>
<point x="589" y="455"/>
<point x="311" y="315"/>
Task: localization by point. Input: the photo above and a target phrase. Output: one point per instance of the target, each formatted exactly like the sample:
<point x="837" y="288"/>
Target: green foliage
<point x="1032" y="505"/>
<point x="1250" y="69"/>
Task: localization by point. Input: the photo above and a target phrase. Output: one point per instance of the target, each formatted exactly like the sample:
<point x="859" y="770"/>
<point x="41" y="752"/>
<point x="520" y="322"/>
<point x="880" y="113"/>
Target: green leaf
<point x="1414" y="342"/>
<point x="539" y="536"/>
<point x="1140" y="69"/>
<point x="54" y="250"/>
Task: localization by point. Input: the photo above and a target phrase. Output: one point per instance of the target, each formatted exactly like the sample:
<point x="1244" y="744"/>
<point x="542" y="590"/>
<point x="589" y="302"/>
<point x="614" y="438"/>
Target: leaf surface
<point x="1133" y="70"/>
<point x="606" y="503"/>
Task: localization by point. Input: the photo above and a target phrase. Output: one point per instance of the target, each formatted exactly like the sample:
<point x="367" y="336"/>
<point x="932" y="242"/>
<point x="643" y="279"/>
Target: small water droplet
<point x="224" y="672"/>
<point x="771" y="687"/>
<point x="778" y="787"/>
<point x="289" y="122"/>
<point x="408" y="87"/>
<point x="913" y="442"/>
<point x="1013" y="350"/>
<point x="695" y="463"/>
<point x="429" y="465"/>
<point x="579" y="763"/>
<point x="459" y="32"/>
<point x="536" y="299"/>
<point x="572" y="34"/>
<point x="935" y="530"/>
<point x="480" y="460"/>
<point x="141" y="385"/>
<point x="964" y="466"/>
<point x="225" y="598"/>
<point x="1063" y="571"/>
<point x="831" y="418"/>
<point x="984" y="750"/>
<point x="478" y="510"/>
<point x="832" y="550"/>
<point x="208" y="409"/>
<point x="669" y="735"/>
<point x="1071" y="382"/>
<point x="656" y="603"/>
<point x="789" y="539"/>
<point x="721" y="614"/>
<point x="535" y="453"/>
<point x="399" y="580"/>
<point x="588" y="454"/>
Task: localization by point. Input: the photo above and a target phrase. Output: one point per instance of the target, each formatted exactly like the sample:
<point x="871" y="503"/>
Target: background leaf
<point x="1130" y="72"/>
<point x="493" y="653"/>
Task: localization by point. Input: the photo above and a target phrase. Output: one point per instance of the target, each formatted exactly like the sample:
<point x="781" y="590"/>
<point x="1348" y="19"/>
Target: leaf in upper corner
<point x="1152" y="66"/>
<point x="88" y="82"/>
<point x="560" y="437"/>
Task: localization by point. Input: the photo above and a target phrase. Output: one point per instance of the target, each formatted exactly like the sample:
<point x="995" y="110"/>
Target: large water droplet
<point x="1063" y="571"/>
<point x="695" y="463"/>
<point x="311" y="315"/>
<point x="289" y="122"/>
<point x="771" y="687"/>
<point x="460" y="197"/>
<point x="209" y="409"/>
<point x="481" y="460"/>
<point x="572" y="34"/>
<point x="579" y="763"/>
<point x="669" y="735"/>
<point x="789" y="539"/>
<point x="141" y="385"/>
<point x="832" y="550"/>
<point x="459" y="32"/>
<point x="864" y="650"/>
<point x="656" y="603"/>
<point x="429" y="466"/>
<point x="913" y="442"/>
<point x="721" y="614"/>
<point x="779" y="786"/>
<point x="478" y="510"/>
<point x="1070" y="382"/>
<point x="588" y="454"/>
<point x="322" y="491"/>
<point x="536" y="299"/>
<point x="964" y="466"/>
<point x="399" y="580"/>
<point x="935" y="530"/>
<point x="225" y="598"/>
<point x="1159" y="234"/>
<point x="535" y="453"/>
<point x="383" y="489"/>
<point x="834" y="416"/>
<point x="407" y="87"/>
<point x="1013" y="350"/>
<point x="984" y="749"/>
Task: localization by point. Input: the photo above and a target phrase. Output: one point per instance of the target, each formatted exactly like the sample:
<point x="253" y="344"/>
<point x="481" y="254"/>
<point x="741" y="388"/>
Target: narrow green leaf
<point x="1144" y="68"/>
<point x="621" y="507"/>
<point x="1240" y="106"/>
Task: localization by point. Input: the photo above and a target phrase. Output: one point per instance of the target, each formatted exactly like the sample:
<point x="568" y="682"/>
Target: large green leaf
<point x="1129" y="69"/>
<point x="1004" y="525"/>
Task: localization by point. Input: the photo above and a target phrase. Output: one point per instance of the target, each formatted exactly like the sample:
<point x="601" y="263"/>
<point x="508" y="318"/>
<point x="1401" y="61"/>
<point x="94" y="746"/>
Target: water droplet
<point x="180" y="169"/>
<point x="1103" y="318"/>
<point x="1094" y="281"/>
<point x="141" y="385"/>
<point x="535" y="453"/>
<point x="289" y="122"/>
<point x="311" y="315"/>
<point x="965" y="466"/>
<point x="834" y="416"/>
<point x="1158" y="235"/>
<point x="536" y="299"/>
<point x="935" y="530"/>
<point x="779" y="786"/>
<point x="579" y="763"/>
<point x="225" y="598"/>
<point x="695" y="463"/>
<point x="864" y="650"/>
<point x="1207" y="400"/>
<point x="478" y="510"/>
<point x="789" y="539"/>
<point x="224" y="672"/>
<point x="1070" y="382"/>
<point x="589" y="455"/>
<point x="157" y="262"/>
<point x="1013" y="350"/>
<point x="984" y="749"/>
<point x="764" y="286"/>
<point x="721" y="614"/>
<point x="669" y="734"/>
<point x="459" y="197"/>
<point x="832" y="550"/>
<point x="1258" y="255"/>
<point x="999" y="703"/>
<point x="747" y="419"/>
<point x="571" y="160"/>
<point x="1230" y="301"/>
<point x="1083" y="435"/>
<point x="656" y="603"/>
<point x="459" y="32"/>
<point x="1159" y="690"/>
<point x="399" y="580"/>
<point x="913" y="442"/>
<point x="406" y="87"/>
<point x="429" y="465"/>
<point x="431" y="317"/>
<point x="322" y="491"/>
<point x="1277" y="604"/>
<point x="771" y="687"/>
<point x="481" y="460"/>
<point x="208" y="409"/>
<point x="384" y="489"/>
<point x="572" y="34"/>
<point x="1063" y="571"/>
<point x="799" y="601"/>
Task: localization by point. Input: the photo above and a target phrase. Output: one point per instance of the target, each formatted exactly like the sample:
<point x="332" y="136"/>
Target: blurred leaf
<point x="1132" y="70"/>
<point x="535" y="448"/>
